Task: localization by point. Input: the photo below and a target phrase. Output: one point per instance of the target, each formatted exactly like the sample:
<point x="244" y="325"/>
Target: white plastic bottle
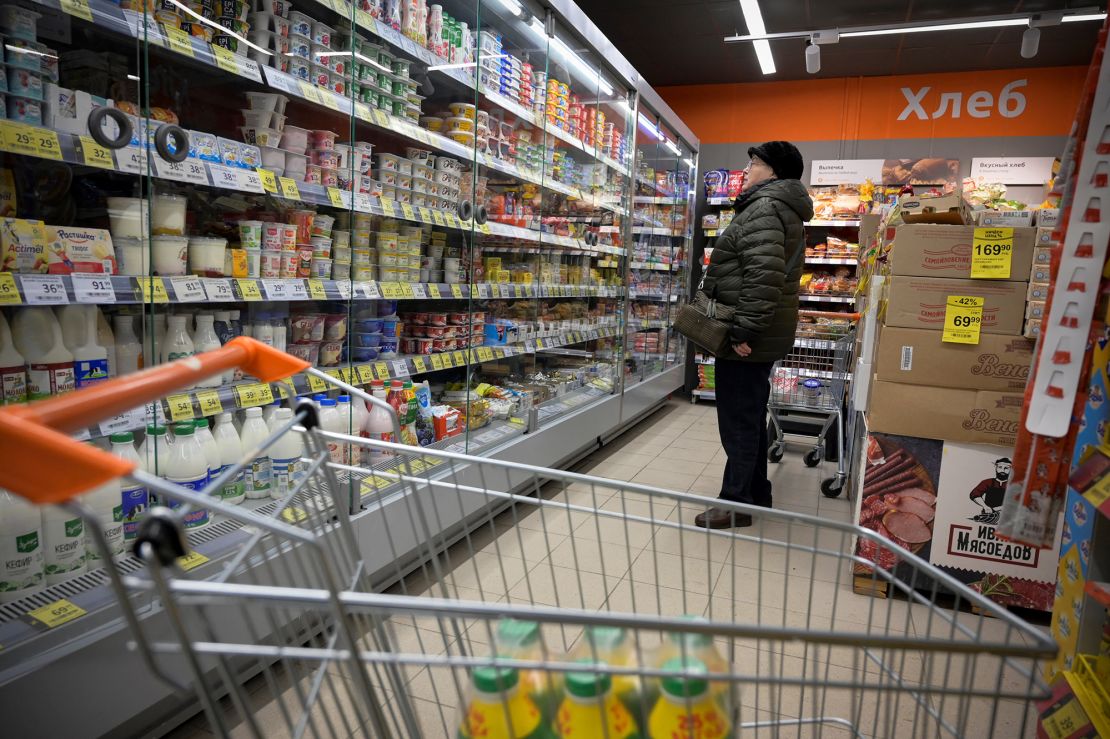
<point x="187" y="465"/>
<point x="277" y="326"/>
<point x="90" y="359"/>
<point x="154" y="452"/>
<point x="230" y="450"/>
<point x="347" y="426"/>
<point x="286" y="456"/>
<point x="208" y="444"/>
<point x="134" y="498"/>
<point x="259" y="474"/>
<point x="72" y="320"/>
<point x="64" y="536"/>
<point x="222" y="325"/>
<point x="205" y="339"/>
<point x="129" y="350"/>
<point x="263" y="331"/>
<point x="38" y="335"/>
<point x="268" y="414"/>
<point x="330" y="420"/>
<point x="358" y="428"/>
<point x="107" y="339"/>
<point x="156" y="323"/>
<point x="379" y="425"/>
<point x="177" y="345"/>
<point x="13" y="369"/>
<point x="107" y="506"/>
<point x="22" y="565"/>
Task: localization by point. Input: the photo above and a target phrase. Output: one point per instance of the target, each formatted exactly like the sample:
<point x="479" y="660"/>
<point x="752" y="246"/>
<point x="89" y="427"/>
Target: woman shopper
<point x="755" y="268"/>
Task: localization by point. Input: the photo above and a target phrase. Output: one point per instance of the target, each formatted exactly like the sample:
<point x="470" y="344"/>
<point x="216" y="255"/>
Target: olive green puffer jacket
<point x="747" y="268"/>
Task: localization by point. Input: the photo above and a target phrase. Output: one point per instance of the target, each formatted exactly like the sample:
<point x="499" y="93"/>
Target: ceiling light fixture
<point x="999" y="21"/>
<point x="674" y="149"/>
<point x="554" y="42"/>
<point x="1030" y="42"/>
<point x="813" y="58"/>
<point x="513" y="7"/>
<point x="465" y="65"/>
<point x="753" y="19"/>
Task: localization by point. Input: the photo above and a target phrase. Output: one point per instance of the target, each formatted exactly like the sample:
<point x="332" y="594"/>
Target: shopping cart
<point x="812" y="380"/>
<point x="288" y="633"/>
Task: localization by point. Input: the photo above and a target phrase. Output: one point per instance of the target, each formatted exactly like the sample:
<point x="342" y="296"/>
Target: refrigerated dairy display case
<point x="482" y="196"/>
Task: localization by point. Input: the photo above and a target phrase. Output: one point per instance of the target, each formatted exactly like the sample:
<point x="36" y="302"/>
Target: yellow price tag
<point x="78" y="8"/>
<point x="474" y="293"/>
<point x="225" y="59"/>
<point x="407" y="210"/>
<point x="484" y="228"/>
<point x="191" y="561"/>
<point x="485" y="354"/>
<point x="269" y="180"/>
<point x="315" y="384"/>
<point x="153" y="290"/>
<point x="448" y="360"/>
<point x="328" y="99"/>
<point x="963" y="319"/>
<point x="181" y="407"/>
<point x="381" y="370"/>
<point x="460" y="359"/>
<point x="249" y="289"/>
<point x="254" y="395"/>
<point x="57" y="613"/>
<point x="432" y="461"/>
<point x="439" y="219"/>
<point x="387" y="207"/>
<point x="433" y="290"/>
<point x="406" y="290"/>
<point x="96" y="155"/>
<point x="309" y="92"/>
<point x="294" y="515"/>
<point x="456" y="291"/>
<point x="316" y="290"/>
<point x="209" y="401"/>
<point x="180" y="41"/>
<point x="289" y="189"/>
<point x="9" y="293"/>
<point x="418" y="363"/>
<point x="1065" y="721"/>
<point x="30" y="140"/>
<point x="992" y="251"/>
<point x="437" y="361"/>
<point x="365" y="374"/>
<point x="380" y="118"/>
<point x="391" y="290"/>
<point x="425" y="214"/>
<point x="335" y="197"/>
<point x="450" y="220"/>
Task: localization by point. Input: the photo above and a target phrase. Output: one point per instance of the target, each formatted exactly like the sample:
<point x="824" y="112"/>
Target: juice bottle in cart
<point x="521" y="640"/>
<point x="687" y="644"/>
<point x="499" y="709"/>
<point x="611" y="645"/>
<point x="686" y="708"/>
<point x="590" y="708"/>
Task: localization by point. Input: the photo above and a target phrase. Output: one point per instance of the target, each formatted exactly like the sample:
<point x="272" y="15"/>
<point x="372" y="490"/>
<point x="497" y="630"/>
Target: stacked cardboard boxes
<point x="926" y="387"/>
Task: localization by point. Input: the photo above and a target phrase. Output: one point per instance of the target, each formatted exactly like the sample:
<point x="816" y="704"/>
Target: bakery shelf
<point x="849" y="261"/>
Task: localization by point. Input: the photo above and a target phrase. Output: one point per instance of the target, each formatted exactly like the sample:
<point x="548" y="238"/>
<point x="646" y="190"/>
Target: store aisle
<point x="527" y="555"/>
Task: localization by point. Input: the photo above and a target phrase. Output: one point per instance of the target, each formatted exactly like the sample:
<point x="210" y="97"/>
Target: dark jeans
<point x="743" y="389"/>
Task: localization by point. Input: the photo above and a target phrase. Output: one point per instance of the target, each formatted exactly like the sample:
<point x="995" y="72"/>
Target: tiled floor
<point x="609" y="548"/>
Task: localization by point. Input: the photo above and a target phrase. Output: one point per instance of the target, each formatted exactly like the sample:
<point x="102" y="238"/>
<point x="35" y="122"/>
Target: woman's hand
<point x="742" y="349"/>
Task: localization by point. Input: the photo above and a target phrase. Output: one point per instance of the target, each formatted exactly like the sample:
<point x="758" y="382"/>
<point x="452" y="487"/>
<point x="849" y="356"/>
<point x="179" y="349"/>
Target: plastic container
<point x="251" y="232"/>
<point x="127" y="217"/>
<point x="254" y="262"/>
<point x="270" y="266"/>
<point x="303" y="220"/>
<point x="289" y="264"/>
<point x="206" y="256"/>
<point x="187" y="465"/>
<point x="295" y="165"/>
<point x="230" y="449"/>
<point x="294" y="139"/>
<point x="169" y="254"/>
<point x="321" y="268"/>
<point x="323" y="140"/>
<point x="300" y="23"/>
<point x="23" y="109"/>
<point x="19" y="23"/>
<point x="258" y="478"/>
<point x="270" y="101"/>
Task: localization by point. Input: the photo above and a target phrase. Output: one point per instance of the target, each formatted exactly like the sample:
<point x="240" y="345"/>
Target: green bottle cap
<point x="494" y="679"/>
<point x="122" y="437"/>
<point x="685" y="687"/>
<point x="691" y="640"/>
<point x="515" y="633"/>
<point x="156" y="430"/>
<point x="588" y="684"/>
<point x="605" y="638"/>
<point x="184" y="429"/>
<point x="201" y="423"/>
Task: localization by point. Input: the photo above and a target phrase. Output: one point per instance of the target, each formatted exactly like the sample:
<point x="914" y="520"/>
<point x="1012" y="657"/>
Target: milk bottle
<point x="231" y="449"/>
<point x="186" y="465"/>
<point x="129" y="350"/>
<point x="38" y="336"/>
<point x="22" y="568"/>
<point x="285" y="457"/>
<point x="259" y="473"/>
<point x="13" y="369"/>
<point x="64" y="534"/>
<point x="134" y="498"/>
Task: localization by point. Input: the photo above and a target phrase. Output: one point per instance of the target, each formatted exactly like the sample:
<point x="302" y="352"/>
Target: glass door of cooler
<point x="670" y="257"/>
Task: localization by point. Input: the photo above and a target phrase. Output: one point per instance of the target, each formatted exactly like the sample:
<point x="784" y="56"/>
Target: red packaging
<point x="445" y="422"/>
<point x="735" y="182"/>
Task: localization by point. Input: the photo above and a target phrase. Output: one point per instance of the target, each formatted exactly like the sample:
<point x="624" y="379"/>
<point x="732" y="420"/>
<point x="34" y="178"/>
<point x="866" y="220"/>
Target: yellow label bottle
<point x="498" y="708"/>
<point x="700" y="647"/>
<point x="589" y="709"/>
<point x="521" y="640"/>
<point x="611" y="645"/>
<point x="686" y="708"/>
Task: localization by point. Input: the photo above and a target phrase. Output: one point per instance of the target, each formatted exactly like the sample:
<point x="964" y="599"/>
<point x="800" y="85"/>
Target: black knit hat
<point x="782" y="156"/>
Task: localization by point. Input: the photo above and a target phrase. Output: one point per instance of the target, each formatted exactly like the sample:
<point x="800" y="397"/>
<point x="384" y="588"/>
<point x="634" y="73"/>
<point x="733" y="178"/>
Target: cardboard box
<point x="1034" y="309"/>
<point x="1048" y="217"/>
<point x="1037" y="291"/>
<point x="1040" y="273"/>
<point x="948" y="414"/>
<point x="919" y="302"/>
<point x="918" y="357"/>
<point x="947" y="209"/>
<point x="1004" y="217"/>
<point x="1044" y="237"/>
<point x="1043" y="254"/>
<point x="927" y="250"/>
<point x="1032" y="328"/>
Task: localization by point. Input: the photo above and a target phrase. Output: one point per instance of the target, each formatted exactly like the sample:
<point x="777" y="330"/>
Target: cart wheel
<point x="774" y="453"/>
<point x="832" y="487"/>
<point x="813" y="457"/>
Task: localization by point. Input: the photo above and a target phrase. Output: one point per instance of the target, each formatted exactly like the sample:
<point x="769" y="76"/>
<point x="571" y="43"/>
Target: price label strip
<point x="95" y="289"/>
<point x="992" y="251"/>
<point x="19" y="138"/>
<point x="192" y="560"/>
<point x="188" y="289"/>
<point x="254" y="395"/>
<point x="95" y="155"/>
<point x="180" y="407"/>
<point x="57" y="613"/>
<point x="153" y="290"/>
<point x="316" y="290"/>
<point x="9" y="293"/>
<point x="269" y="180"/>
<point x="963" y="319"/>
<point x="289" y="189"/>
<point x="44" y="290"/>
<point x="248" y="288"/>
<point x="78" y="8"/>
<point x="219" y="290"/>
<point x="209" y="401"/>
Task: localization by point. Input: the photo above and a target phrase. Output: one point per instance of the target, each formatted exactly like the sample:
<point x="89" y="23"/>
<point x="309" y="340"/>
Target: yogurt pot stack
<point x="25" y="66"/>
<point x="419" y="178"/>
<point x="264" y="126"/>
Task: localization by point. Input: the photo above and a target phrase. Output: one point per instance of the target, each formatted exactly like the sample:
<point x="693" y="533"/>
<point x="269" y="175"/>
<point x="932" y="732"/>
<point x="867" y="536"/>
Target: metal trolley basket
<point x="294" y="633"/>
<point x="813" y="379"/>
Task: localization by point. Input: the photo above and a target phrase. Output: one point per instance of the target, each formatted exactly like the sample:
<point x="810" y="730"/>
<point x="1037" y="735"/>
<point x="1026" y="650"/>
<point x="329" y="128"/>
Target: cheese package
<point x="83" y="250"/>
<point x="22" y="246"/>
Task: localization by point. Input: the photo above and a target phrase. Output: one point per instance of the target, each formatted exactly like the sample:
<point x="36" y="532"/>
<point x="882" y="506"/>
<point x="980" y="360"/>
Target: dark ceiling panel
<point x="680" y="42"/>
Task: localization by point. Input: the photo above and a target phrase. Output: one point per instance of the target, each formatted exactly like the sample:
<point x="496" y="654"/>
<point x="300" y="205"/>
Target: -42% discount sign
<point x="963" y="319"/>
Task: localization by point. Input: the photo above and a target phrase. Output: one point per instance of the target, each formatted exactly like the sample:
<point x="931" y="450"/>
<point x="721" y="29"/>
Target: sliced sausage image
<point x="907" y="527"/>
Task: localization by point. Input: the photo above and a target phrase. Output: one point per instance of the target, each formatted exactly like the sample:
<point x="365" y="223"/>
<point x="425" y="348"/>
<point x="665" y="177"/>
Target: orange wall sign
<point x="1007" y="102"/>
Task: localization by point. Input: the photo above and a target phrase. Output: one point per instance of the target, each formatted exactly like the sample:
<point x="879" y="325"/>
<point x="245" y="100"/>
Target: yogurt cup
<point x="23" y="109"/>
<point x="321" y="267"/>
<point x="169" y="255"/>
<point x="312" y="174"/>
<point x="304" y="260"/>
<point x="341" y="238"/>
<point x="300" y="68"/>
<point x="322" y="226"/>
<point x="168" y="215"/>
<point x="270" y="265"/>
<point x="300" y="23"/>
<point x="324" y="158"/>
<point x="273" y="158"/>
<point x="206" y="256"/>
<point x="322" y="140"/>
<point x="321" y="33"/>
<point x="131" y="256"/>
<point x="329" y="177"/>
<point x="288" y="236"/>
<point x="295" y="165"/>
<point x="300" y="46"/>
<point x="19" y="23"/>
<point x="127" y="217"/>
<point x="321" y="75"/>
<point x="303" y="219"/>
<point x="270" y="236"/>
<point x="290" y="263"/>
<point x="254" y="262"/>
<point x="25" y="83"/>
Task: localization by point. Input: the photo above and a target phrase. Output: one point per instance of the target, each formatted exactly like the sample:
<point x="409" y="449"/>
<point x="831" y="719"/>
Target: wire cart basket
<point x="557" y="578"/>
<point x="813" y="379"/>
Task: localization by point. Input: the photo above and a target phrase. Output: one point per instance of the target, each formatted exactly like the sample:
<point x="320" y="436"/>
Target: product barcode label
<point x="93" y="289"/>
<point x="907" y="358"/>
<point x="219" y="290"/>
<point x="188" y="289"/>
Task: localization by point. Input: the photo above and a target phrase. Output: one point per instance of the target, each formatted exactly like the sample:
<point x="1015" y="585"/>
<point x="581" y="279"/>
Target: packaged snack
<point x="445" y="422"/>
<point x="335" y="327"/>
<point x="330" y="352"/>
<point x="84" y="250"/>
<point x="307" y="327"/>
<point x="204" y="146"/>
<point x="23" y="246"/>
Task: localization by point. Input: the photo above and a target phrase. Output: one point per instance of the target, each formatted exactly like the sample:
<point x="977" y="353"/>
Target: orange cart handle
<point x="41" y="463"/>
